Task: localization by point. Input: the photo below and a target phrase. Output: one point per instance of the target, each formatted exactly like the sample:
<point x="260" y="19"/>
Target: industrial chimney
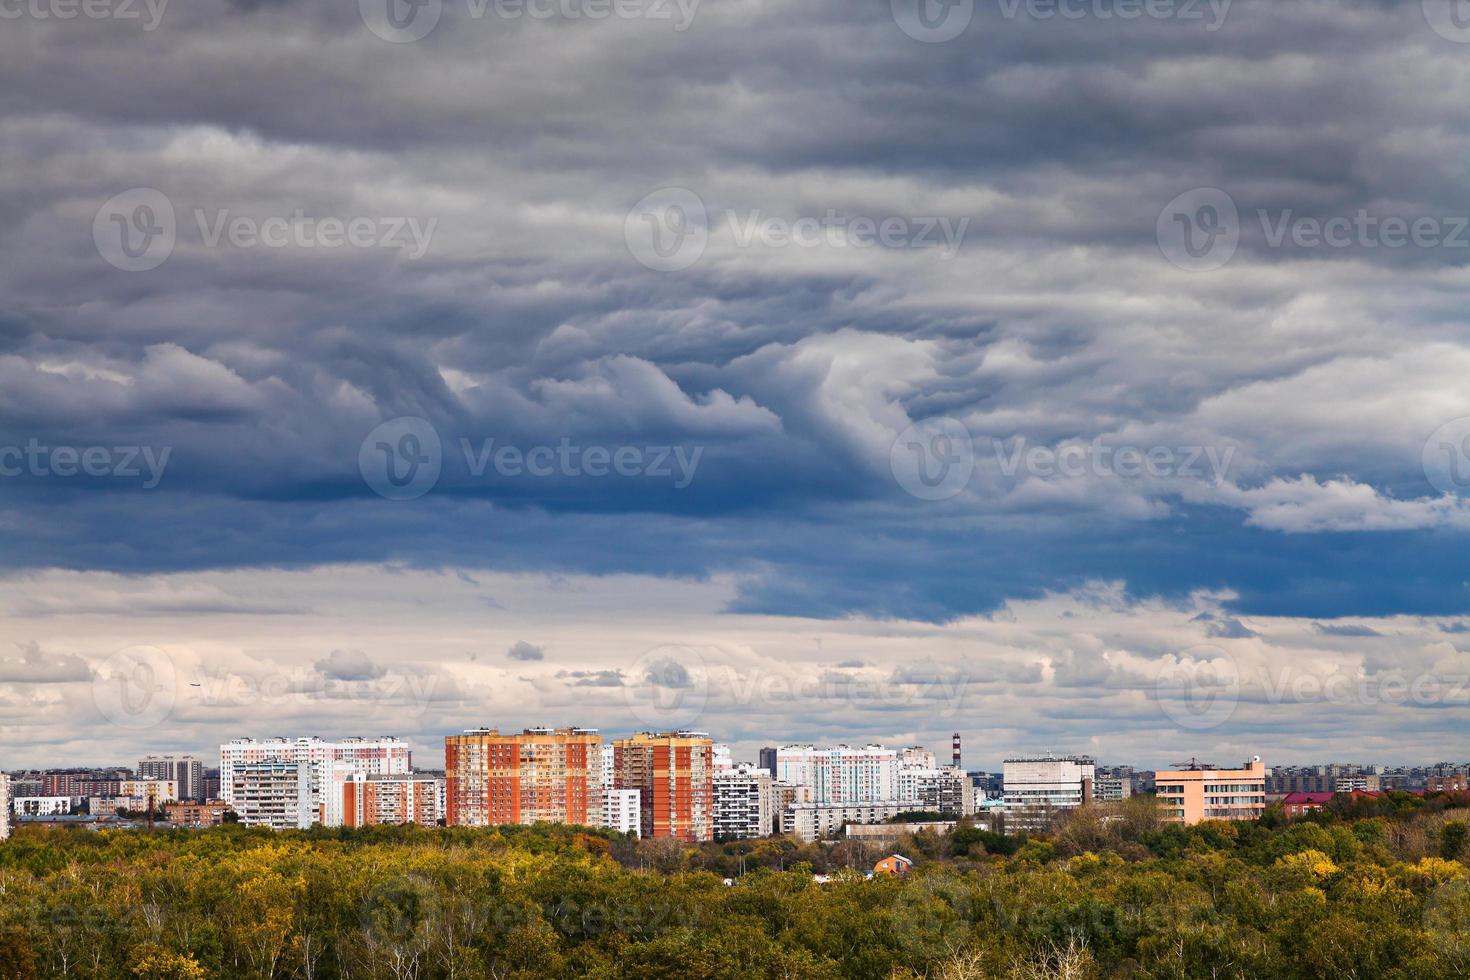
<point x="957" y="750"/>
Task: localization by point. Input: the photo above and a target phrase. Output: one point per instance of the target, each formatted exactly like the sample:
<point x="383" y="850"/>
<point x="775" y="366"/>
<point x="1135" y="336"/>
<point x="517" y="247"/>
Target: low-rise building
<point x="894" y="864"/>
<point x="41" y="806"/>
<point x="210" y="813"/>
<point x="1203" y="792"/>
<point x="811" y="821"/>
<point x="1301" y="804"/>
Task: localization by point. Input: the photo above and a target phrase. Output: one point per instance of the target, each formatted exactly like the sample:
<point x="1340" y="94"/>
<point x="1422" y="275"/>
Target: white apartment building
<point x="946" y="790"/>
<point x="744" y="803"/>
<point x="186" y="771"/>
<point x="371" y="756"/>
<point x="42" y="806"/>
<point x="721" y="759"/>
<point x="841" y="774"/>
<point x="621" y="809"/>
<point x="4" y="806"/>
<point x="810" y="821"/>
<point x="1037" y="789"/>
<point x="277" y="794"/>
<point x="917" y="757"/>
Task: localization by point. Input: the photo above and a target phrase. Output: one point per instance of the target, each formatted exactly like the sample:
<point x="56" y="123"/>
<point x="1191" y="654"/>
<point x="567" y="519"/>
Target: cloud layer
<point x="885" y="232"/>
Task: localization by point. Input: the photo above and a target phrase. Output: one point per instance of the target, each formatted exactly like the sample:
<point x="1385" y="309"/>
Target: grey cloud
<point x="521" y="650"/>
<point x="593" y="678"/>
<point x="35" y="666"/>
<point x="1346" y="630"/>
<point x="349" y="665"/>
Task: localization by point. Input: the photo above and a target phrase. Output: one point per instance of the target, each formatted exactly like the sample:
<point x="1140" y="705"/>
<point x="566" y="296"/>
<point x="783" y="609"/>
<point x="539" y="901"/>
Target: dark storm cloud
<point x="791" y="371"/>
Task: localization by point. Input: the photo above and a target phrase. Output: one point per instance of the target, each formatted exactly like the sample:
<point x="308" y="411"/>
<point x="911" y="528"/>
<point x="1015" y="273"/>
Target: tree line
<point x="1372" y="889"/>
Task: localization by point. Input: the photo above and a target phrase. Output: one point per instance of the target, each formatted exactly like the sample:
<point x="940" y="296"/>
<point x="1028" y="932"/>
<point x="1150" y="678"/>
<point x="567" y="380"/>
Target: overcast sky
<point x="797" y="370"/>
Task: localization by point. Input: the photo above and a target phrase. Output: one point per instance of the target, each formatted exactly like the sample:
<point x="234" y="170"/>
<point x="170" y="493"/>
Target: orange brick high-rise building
<point x="539" y="775"/>
<point x="674" y="772"/>
<point x="369" y="799"/>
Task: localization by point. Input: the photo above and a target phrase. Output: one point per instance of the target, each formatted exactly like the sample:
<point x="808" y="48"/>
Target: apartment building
<point x="1036" y="789"/>
<point x="1202" y="792"/>
<point x="185" y="771"/>
<point x="385" y="755"/>
<point x="538" y="775"/>
<point x="842" y="773"/>
<point x="784" y="795"/>
<point x="621" y="809"/>
<point x="674" y="773"/>
<point x="743" y="803"/>
<point x="4" y="806"/>
<point x="278" y="794"/>
<point x="41" y="806"/>
<point x="917" y="757"/>
<point x="811" y="821"/>
<point x="1112" y="784"/>
<point x="190" y="813"/>
<point x="397" y="798"/>
<point x="947" y="791"/>
<point x="160" y="791"/>
<point x="1330" y="778"/>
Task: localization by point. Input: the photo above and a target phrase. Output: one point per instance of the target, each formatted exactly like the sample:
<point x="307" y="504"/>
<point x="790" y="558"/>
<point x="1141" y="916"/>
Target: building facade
<point x="674" y="774"/>
<point x="4" y="806"/>
<point x="621" y="810"/>
<point x="1330" y="778"/>
<point x="947" y="791"/>
<point x="369" y="800"/>
<point x="811" y="821"/>
<point x="192" y="813"/>
<point x="276" y="794"/>
<point x="538" y="775"/>
<point x="744" y="803"/>
<point x="186" y="772"/>
<point x="1191" y="795"/>
<point x="1036" y="789"/>
<point x="842" y="773"/>
<point x="323" y="757"/>
<point x="41" y="806"/>
<point x="1112" y="784"/>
